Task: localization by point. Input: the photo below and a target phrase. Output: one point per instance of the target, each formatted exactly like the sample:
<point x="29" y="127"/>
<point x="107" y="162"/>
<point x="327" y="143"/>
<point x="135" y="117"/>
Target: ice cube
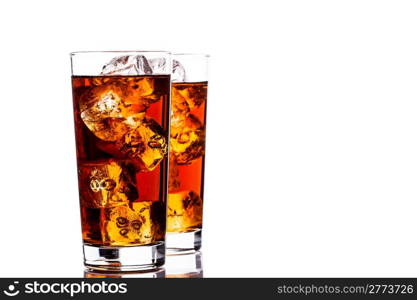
<point x="108" y="129"/>
<point x="185" y="211"/>
<point x="146" y="144"/>
<point x="158" y="65"/>
<point x="126" y="225"/>
<point x="107" y="183"/>
<point x="187" y="139"/>
<point x="110" y="110"/>
<point x="179" y="105"/>
<point x="127" y="65"/>
<point x="191" y="94"/>
<point x="178" y="72"/>
<point x="186" y="97"/>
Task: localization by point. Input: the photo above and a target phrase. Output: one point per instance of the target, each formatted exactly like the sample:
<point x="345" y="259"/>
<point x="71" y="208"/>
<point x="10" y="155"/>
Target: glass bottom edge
<point x="119" y="259"/>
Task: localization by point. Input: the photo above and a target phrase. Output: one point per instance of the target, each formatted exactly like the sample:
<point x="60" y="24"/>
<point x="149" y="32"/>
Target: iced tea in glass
<point x="187" y="152"/>
<point x="121" y="111"/>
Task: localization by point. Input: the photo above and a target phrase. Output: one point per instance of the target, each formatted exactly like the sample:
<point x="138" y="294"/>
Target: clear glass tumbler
<point x="121" y="112"/>
<point x="187" y="152"/>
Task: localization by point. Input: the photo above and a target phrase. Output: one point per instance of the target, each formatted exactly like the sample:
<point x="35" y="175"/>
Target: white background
<point x="311" y="151"/>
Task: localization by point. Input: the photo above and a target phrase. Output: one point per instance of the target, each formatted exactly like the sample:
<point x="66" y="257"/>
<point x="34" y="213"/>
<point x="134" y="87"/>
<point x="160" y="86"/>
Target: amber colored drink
<point x="187" y="149"/>
<point x="121" y="125"/>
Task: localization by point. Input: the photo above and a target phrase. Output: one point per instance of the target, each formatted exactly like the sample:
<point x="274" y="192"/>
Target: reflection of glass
<point x="121" y="113"/>
<point x="157" y="273"/>
<point x="187" y="152"/>
<point x="184" y="266"/>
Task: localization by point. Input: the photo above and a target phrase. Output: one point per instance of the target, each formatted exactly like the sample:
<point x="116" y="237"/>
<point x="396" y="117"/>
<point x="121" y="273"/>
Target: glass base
<point x="183" y="242"/>
<point x="132" y="258"/>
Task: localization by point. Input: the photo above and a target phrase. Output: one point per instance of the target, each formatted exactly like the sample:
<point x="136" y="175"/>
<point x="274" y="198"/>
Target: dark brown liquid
<point x="187" y="141"/>
<point x="121" y="125"/>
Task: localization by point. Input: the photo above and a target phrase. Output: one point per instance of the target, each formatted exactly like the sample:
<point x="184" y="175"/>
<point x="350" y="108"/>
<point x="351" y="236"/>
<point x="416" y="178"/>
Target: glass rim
<point x="191" y="54"/>
<point x="119" y="52"/>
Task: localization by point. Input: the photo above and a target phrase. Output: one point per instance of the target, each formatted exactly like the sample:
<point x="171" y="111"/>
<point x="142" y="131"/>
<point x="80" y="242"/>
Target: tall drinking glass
<point x="187" y="152"/>
<point x="121" y="112"/>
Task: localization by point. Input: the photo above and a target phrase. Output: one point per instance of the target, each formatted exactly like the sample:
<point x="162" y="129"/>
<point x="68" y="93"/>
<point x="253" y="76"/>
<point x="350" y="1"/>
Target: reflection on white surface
<point x="157" y="273"/>
<point x="184" y="265"/>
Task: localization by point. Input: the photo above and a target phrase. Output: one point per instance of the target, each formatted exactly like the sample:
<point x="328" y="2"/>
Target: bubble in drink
<point x="185" y="211"/>
<point x="105" y="184"/>
<point x="187" y="139"/>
